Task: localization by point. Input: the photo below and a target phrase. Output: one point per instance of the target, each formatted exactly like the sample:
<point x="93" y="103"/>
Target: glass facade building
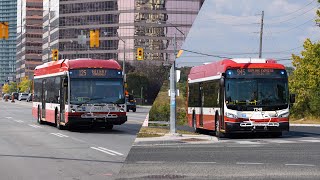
<point x="124" y="26"/>
<point x="29" y="37"/>
<point x="8" y="13"/>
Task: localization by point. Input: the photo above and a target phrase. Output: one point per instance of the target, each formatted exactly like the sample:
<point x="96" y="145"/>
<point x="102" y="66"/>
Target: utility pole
<point x="173" y="89"/>
<point x="261" y="33"/>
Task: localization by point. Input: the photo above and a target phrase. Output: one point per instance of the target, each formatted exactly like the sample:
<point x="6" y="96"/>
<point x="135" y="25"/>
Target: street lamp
<point x="173" y="84"/>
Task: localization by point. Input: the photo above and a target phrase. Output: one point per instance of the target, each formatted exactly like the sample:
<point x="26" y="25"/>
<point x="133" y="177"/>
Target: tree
<point x="5" y="88"/>
<point x="305" y="80"/>
<point x="136" y="81"/>
<point x="13" y="87"/>
<point x="25" y="85"/>
<point x="318" y="14"/>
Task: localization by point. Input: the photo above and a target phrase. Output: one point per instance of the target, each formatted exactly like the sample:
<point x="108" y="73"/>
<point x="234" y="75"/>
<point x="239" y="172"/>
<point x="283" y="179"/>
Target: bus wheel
<point x="109" y="126"/>
<point x="134" y="110"/>
<point x="57" y="121"/>
<point x="39" y="116"/>
<point x="276" y="134"/>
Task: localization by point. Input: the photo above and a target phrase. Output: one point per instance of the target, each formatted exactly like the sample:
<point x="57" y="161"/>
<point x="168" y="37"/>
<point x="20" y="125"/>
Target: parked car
<point x="23" y="96"/>
<point x="131" y="103"/>
<point x="29" y="98"/>
<point x="15" y="95"/>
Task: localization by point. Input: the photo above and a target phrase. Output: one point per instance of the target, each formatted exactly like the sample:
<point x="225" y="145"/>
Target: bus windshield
<point x="95" y="91"/>
<point x="246" y="94"/>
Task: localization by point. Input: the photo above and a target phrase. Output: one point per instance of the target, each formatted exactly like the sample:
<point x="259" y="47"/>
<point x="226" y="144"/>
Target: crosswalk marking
<point x="107" y="151"/>
<point x="59" y="134"/>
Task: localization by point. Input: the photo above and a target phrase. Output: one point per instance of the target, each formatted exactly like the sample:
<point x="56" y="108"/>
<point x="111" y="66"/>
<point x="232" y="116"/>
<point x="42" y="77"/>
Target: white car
<point x="23" y="96"/>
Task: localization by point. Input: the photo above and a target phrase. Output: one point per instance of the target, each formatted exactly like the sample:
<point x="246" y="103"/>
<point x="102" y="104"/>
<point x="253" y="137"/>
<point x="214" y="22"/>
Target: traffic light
<point x="4" y="30"/>
<point x="140" y="54"/>
<point x="94" y="38"/>
<point x="55" y="54"/>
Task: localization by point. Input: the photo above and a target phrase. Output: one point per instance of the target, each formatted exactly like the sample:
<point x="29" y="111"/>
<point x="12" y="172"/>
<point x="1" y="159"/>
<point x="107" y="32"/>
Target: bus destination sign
<point x="256" y="73"/>
<point x="95" y="73"/>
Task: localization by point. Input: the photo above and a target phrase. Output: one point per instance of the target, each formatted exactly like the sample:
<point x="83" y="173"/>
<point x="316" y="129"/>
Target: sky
<point x="230" y="28"/>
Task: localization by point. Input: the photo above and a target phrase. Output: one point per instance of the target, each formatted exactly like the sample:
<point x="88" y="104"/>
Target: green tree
<point x="25" y="85"/>
<point x="305" y="80"/>
<point x="136" y="81"/>
<point x="5" y="88"/>
<point x="13" y="87"/>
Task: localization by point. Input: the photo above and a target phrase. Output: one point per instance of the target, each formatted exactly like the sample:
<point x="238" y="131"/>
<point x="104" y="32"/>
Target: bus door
<point x="63" y="97"/>
<point x="221" y="105"/>
<point x="201" y="105"/>
<point x="43" y="99"/>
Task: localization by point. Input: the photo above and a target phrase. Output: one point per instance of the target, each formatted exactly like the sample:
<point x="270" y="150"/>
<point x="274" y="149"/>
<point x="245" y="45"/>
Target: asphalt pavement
<point x="296" y="155"/>
<point x="32" y="151"/>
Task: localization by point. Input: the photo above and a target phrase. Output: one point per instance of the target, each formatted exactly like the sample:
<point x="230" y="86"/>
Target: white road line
<point x="202" y="162"/>
<point x="150" y="162"/>
<point x="309" y="165"/>
<point x="35" y="126"/>
<point x="310" y="140"/>
<point x="98" y="149"/>
<point x="247" y="142"/>
<point x="280" y="141"/>
<point x="115" y="152"/>
<point x="248" y="163"/>
<point x="9" y="117"/>
<point x="59" y="134"/>
<point x="18" y="121"/>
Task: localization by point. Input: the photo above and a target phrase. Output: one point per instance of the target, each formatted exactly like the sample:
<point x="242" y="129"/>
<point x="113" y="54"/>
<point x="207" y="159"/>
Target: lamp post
<point x="173" y="84"/>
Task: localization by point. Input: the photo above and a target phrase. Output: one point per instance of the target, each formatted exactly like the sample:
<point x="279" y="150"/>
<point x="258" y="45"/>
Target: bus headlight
<point x="230" y="115"/>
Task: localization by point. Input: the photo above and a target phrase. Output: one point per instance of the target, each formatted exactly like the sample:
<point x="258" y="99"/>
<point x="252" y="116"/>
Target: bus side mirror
<point x="222" y="82"/>
<point x="292" y="98"/>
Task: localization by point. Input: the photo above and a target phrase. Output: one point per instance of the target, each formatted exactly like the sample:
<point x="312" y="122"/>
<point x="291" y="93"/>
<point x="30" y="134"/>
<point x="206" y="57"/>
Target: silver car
<point x="23" y="96"/>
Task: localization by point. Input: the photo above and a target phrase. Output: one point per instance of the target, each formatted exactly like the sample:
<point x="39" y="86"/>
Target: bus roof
<point x="219" y="67"/>
<point x="66" y="64"/>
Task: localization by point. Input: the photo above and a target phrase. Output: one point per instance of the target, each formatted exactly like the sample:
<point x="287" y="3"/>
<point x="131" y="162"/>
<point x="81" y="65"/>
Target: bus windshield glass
<point x="246" y="94"/>
<point x="96" y="91"/>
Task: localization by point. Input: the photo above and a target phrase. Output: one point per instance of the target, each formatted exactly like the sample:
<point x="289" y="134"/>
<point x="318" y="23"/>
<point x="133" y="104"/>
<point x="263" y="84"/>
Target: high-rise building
<point x="124" y="26"/>
<point x="29" y="37"/>
<point x="8" y="13"/>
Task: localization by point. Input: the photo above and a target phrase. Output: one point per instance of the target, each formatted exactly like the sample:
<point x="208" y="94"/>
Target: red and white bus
<point x="79" y="92"/>
<point x="239" y="95"/>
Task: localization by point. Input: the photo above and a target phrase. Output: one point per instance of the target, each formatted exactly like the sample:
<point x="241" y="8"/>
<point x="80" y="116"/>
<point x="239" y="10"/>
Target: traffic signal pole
<point x="173" y="90"/>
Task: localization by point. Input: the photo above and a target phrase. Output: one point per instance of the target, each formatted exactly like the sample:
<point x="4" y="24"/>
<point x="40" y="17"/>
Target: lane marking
<point x="35" y="126"/>
<point x="59" y="134"/>
<point x="280" y="141"/>
<point x="18" y="121"/>
<point x="309" y="165"/>
<point x="9" y="117"/>
<point x="115" y="152"/>
<point x="149" y="162"/>
<point x="248" y="163"/>
<point x="107" y="152"/>
<point x="201" y="162"/>
<point x="310" y="140"/>
<point x="247" y="142"/>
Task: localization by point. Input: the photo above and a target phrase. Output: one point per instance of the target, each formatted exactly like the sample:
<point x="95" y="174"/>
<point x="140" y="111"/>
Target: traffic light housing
<point x="55" y="55"/>
<point x="140" y="54"/>
<point x="4" y="30"/>
<point x="94" y="38"/>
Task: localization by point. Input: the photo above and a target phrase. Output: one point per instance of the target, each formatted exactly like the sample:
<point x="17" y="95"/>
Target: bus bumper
<point x="236" y="128"/>
<point x="96" y="121"/>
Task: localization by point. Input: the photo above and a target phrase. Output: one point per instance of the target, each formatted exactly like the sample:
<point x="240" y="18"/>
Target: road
<point x="32" y="151"/>
<point x="294" y="156"/>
